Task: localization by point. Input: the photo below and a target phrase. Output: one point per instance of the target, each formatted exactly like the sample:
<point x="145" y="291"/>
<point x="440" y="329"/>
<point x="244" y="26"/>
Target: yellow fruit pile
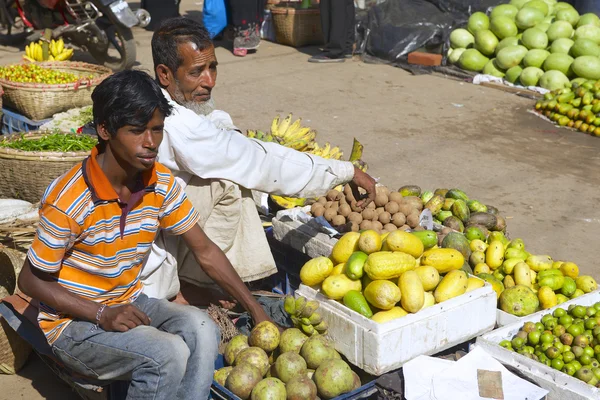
<point x="44" y="51"/>
<point x="384" y="277"/>
<point x="36" y="74"/>
<point x="505" y="263"/>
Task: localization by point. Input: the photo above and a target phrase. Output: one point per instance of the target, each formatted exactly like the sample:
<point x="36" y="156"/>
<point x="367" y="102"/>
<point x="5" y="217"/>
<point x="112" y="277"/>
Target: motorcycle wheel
<point x="121" y="52"/>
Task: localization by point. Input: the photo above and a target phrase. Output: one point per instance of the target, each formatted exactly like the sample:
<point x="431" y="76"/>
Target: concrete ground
<point x="424" y="130"/>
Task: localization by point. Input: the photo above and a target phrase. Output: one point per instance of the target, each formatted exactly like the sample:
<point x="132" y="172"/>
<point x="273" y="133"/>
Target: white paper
<point x="460" y="381"/>
<point x="480" y="78"/>
<point x="300" y="214"/>
<point x="426" y="219"/>
<point x="418" y="376"/>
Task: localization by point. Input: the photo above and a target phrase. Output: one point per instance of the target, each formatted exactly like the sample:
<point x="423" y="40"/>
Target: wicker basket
<point x="14" y="351"/>
<point x="297" y="27"/>
<point x="38" y="101"/>
<point x="26" y="175"/>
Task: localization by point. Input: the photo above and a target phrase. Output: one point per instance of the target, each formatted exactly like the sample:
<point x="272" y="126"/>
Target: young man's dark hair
<point x="171" y="33"/>
<point x="127" y="98"/>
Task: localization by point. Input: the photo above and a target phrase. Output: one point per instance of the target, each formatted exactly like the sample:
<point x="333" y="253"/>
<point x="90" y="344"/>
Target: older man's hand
<point x="365" y="181"/>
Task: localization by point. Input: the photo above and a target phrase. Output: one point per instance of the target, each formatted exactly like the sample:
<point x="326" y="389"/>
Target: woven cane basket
<point x="25" y="175"/>
<point x="14" y="351"/>
<point x="297" y="27"/>
<point x="39" y="101"/>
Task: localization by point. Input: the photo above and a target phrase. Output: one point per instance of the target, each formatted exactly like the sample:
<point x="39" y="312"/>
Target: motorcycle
<point x="100" y="27"/>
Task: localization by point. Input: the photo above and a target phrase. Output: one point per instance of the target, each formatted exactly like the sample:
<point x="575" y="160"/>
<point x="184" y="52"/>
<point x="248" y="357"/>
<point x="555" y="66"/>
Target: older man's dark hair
<point x="170" y="34"/>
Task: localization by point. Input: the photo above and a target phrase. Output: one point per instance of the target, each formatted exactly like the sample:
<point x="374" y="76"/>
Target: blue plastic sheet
<point x="214" y="16"/>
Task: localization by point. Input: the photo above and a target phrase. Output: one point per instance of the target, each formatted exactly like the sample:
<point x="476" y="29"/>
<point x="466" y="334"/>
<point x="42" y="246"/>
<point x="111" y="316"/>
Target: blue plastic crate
<point x="13" y="122"/>
<point x="218" y="392"/>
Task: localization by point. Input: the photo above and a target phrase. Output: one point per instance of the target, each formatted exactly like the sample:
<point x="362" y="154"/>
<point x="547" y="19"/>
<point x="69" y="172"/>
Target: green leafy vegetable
<point x="52" y="142"/>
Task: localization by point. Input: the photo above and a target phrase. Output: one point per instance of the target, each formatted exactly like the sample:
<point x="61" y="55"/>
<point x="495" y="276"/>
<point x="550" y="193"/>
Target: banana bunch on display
<point x="47" y="51"/>
<point x="326" y="151"/>
<point x="304" y="315"/>
<point x="260" y="135"/>
<point x="288" y="202"/>
<point x="293" y="134"/>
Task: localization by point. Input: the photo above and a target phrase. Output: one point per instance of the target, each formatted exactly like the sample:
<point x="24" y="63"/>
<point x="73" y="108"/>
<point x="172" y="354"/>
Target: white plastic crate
<point x="560" y="385"/>
<point x="379" y="348"/>
<point x="504" y="318"/>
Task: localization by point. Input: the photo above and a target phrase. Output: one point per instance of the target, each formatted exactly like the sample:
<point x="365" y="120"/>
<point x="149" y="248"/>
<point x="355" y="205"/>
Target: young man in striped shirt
<point x="97" y="223"/>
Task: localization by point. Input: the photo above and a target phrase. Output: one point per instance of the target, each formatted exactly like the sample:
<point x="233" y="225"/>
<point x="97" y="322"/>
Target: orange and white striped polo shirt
<point x="94" y="244"/>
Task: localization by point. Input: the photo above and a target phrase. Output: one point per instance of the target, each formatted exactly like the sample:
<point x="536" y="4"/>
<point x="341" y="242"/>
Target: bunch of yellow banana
<point x="44" y="51"/>
<point x="326" y="151"/>
<point x="260" y="135"/>
<point x="288" y="202"/>
<point x="58" y="50"/>
<point x="293" y="135"/>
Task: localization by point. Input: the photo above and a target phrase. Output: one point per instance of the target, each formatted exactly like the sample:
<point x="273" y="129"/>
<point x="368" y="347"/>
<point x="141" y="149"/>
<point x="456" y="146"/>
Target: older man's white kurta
<point x="218" y="165"/>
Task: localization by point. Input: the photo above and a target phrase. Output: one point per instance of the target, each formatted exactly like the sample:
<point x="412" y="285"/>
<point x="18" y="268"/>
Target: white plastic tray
<point x="560" y="385"/>
<point x="504" y="318"/>
<point x="379" y="348"/>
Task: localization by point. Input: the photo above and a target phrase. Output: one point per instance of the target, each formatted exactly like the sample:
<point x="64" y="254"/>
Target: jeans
<point x="175" y="354"/>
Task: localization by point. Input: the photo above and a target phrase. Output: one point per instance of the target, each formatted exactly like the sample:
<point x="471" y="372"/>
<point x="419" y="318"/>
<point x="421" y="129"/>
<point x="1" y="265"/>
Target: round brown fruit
<point x="381" y="200"/>
<point x="315" y="206"/>
<point x="405" y="209"/>
<point x="344" y="210"/>
<point x="332" y="195"/>
<point x="338" y="220"/>
<point x="322" y="200"/>
<point x="404" y="227"/>
<point x="368" y="214"/>
<point x="335" y="205"/>
<point x="399" y="219"/>
<point x="389" y="227"/>
<point x="355" y="217"/>
<point x="371" y="205"/>
<point x="379" y="210"/>
<point x="419" y="228"/>
<point x="355" y="227"/>
<point x="348" y="193"/>
<point x="365" y="225"/>
<point x="328" y="204"/>
<point x="318" y="211"/>
<point x="385" y="217"/>
<point x="396" y="197"/>
<point x="392" y="207"/>
<point x="413" y="220"/>
<point x="415" y="202"/>
<point x="354" y="207"/>
<point x="376" y="226"/>
<point x="382" y="189"/>
<point x="329" y="214"/>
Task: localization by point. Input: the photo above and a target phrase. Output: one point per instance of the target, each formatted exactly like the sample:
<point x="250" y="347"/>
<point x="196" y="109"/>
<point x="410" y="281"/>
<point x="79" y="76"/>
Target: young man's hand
<point x="122" y="318"/>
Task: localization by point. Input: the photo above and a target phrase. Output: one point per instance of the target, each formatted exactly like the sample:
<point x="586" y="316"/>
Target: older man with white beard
<point x="218" y="166"/>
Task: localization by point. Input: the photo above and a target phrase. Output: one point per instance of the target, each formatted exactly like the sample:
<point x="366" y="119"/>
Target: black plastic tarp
<point x="392" y="29"/>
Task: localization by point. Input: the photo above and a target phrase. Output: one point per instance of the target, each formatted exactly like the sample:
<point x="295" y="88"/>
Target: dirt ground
<point x="424" y="130"/>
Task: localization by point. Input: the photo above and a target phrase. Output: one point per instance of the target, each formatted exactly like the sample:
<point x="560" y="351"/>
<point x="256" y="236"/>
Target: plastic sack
<point x="395" y="28"/>
<point x="587" y="6"/>
<point x="214" y="16"/>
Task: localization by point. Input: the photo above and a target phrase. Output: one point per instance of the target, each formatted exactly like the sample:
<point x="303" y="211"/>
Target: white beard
<point x="204" y="108"/>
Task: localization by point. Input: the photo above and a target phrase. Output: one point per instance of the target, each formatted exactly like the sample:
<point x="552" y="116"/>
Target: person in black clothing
<point x="246" y="16"/>
<point x="337" y="22"/>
